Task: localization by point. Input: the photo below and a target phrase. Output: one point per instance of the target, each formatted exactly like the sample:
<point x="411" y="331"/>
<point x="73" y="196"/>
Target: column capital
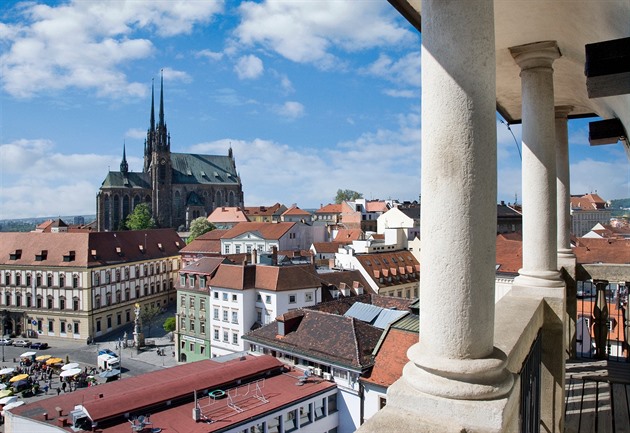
<point x="563" y="111"/>
<point x="535" y="55"/>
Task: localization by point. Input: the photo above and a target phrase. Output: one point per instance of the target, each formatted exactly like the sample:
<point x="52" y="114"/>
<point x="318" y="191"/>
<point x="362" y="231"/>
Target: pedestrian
<point x="58" y="391"/>
<point x="63" y="386"/>
<point x="46" y="389"/>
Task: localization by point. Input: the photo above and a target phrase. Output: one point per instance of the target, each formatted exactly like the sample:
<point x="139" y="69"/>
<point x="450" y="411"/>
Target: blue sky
<point x="312" y="96"/>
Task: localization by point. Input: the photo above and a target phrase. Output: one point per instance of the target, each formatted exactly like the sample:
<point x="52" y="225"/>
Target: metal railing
<point x="530" y="389"/>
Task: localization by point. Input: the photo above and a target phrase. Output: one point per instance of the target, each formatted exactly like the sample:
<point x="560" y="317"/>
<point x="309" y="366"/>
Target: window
<point x="258" y="297"/>
<point x="118" y="296"/>
<point x="51" y="326"/>
<point x="225" y="296"/>
<point x="202" y="328"/>
<point x="332" y="403"/>
<point x="7" y="279"/>
<point x="117" y="275"/>
<point x="7" y="299"/>
<point x="75" y="304"/>
<point x="62" y="327"/>
<point x="98" y="325"/>
<point x="202" y="282"/>
<point x="62" y="303"/>
<point x="308" y="297"/>
<point x="191" y="346"/>
<point x="319" y="408"/>
<point x="118" y="319"/>
<point x="192" y="325"/>
<point x="39" y="301"/>
<point x="290" y="422"/>
<point x="234" y="298"/>
<point x="182" y="280"/>
<point x="18" y="279"/>
<point x="237" y="249"/>
<point x="225" y="336"/>
<point x="38" y="280"/>
<point x="18" y="300"/>
<point x="226" y="249"/>
<point x="216" y="334"/>
<point x="273" y="425"/>
<point x="305" y="415"/>
<point x="258" y="315"/>
<point x="97" y="301"/>
<point x="127" y="315"/>
<point x="97" y="278"/>
<point x="127" y="294"/>
<point x="202" y="349"/>
<point x="28" y="280"/>
<point x="234" y="316"/>
<point x="108" y="277"/>
<point x="382" y="401"/>
<point x="215" y="314"/>
<point x="216" y="295"/>
<point x="49" y="302"/>
<point x="76" y="327"/>
<point x="268" y="299"/>
<point x="191" y="302"/>
<point x="225" y="315"/>
<point x="292" y="299"/>
<point x="108" y="299"/>
<point x="234" y="338"/>
<point x="109" y="322"/>
<point x="75" y="281"/>
<point x="29" y="300"/>
<point x="62" y="280"/>
<point x="49" y="280"/>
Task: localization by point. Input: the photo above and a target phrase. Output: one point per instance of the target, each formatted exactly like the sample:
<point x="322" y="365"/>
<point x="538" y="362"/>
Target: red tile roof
<point x="593" y="250"/>
<point x="227" y="215"/>
<point x="207" y="243"/>
<point x="107" y="403"/>
<point x="266" y="230"/>
<point x="376" y="206"/>
<point x="509" y="256"/>
<point x="274" y="278"/>
<point x="348" y="235"/>
<point x="328" y="247"/>
<point x="262" y="210"/>
<point x="332" y="208"/>
<point x="391" y="357"/>
<point x="588" y="202"/>
<point x="294" y="210"/>
<point x="390" y="263"/>
<point x="109" y="247"/>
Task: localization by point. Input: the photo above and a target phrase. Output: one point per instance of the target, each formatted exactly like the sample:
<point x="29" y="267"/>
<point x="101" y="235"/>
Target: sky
<point x="313" y="96"/>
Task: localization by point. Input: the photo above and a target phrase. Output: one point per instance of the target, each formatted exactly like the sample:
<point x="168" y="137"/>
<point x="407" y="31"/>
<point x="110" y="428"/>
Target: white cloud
<point x="309" y="178"/>
<point x="36" y="181"/>
<point x="208" y="54"/>
<point x="290" y="110"/>
<point x="403" y="71"/>
<point x="611" y="180"/>
<point x="249" y="67"/>
<point x="402" y="93"/>
<point x="171" y="74"/>
<point x="85" y="44"/>
<point x="308" y="31"/>
<point x="136" y="133"/>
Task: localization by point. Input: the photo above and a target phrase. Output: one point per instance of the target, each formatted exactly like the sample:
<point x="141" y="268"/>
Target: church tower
<point x="158" y="164"/>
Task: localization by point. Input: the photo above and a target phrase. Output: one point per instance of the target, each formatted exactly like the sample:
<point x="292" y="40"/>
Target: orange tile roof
<point x="274" y="278"/>
<point x="588" y="202"/>
<point x="330" y="208"/>
<point x="391" y="357"/>
<point x="294" y="210"/>
<point x="328" y="247"/>
<point x="376" y="206"/>
<point x="262" y="210"/>
<point x="348" y="235"/>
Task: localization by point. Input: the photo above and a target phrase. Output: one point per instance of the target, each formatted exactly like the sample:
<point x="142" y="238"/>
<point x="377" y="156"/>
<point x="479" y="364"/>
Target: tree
<point x="347" y="195"/>
<point x="169" y="325"/>
<point x="199" y="226"/>
<point x="140" y="218"/>
<point x="148" y="316"/>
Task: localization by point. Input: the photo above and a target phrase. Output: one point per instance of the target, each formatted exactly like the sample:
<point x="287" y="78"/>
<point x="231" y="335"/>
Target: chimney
<point x="254" y="256"/>
<point x="274" y="256"/>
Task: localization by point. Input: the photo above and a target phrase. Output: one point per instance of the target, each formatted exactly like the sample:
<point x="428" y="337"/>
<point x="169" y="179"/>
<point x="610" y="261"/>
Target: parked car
<point x="5" y="341"/>
<point x="39" y="345"/>
<point x="22" y="343"/>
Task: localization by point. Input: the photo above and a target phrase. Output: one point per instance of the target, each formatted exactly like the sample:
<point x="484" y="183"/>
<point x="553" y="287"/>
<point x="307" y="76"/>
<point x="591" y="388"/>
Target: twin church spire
<point x="158" y="138"/>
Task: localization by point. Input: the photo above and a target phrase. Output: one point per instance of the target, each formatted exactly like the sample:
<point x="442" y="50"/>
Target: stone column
<point x="600" y="320"/>
<point x="540" y="263"/>
<point x="563" y="190"/>
<point x="455" y="360"/>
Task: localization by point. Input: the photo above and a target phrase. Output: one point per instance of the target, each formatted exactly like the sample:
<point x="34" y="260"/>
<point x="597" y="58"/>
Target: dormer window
<point x="15" y="255"/>
<point x="69" y="257"/>
<point x="41" y="256"/>
<point x="141" y="248"/>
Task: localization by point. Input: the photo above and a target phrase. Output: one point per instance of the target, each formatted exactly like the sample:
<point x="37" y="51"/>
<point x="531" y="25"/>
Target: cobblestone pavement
<point x="133" y="361"/>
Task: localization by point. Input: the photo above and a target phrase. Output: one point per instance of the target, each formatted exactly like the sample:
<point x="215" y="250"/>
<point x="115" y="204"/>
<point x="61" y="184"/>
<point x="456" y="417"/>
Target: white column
<point x="455" y="357"/>
<point x="540" y="262"/>
<point x="563" y="182"/>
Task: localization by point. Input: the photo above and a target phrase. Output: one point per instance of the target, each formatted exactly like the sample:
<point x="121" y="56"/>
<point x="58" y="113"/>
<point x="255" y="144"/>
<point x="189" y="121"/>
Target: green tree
<point x="347" y="195"/>
<point x="199" y="226"/>
<point x="140" y="218"/>
<point x="148" y="317"/>
<point x="169" y="325"/>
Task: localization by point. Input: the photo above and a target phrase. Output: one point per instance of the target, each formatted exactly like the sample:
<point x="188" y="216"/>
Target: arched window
<point x="75" y="303"/>
<point x="136" y="200"/>
<point x="97" y="301"/>
<point x="106" y="224"/>
<point x="231" y="199"/>
<point x="62" y="280"/>
<point x="97" y="278"/>
<point x="219" y="199"/>
<point x="75" y="281"/>
<point x="127" y="293"/>
<point x="116" y="213"/>
<point x="108" y="299"/>
<point x="18" y="299"/>
<point x="125" y="207"/>
<point x="108" y="277"/>
<point x="49" y="280"/>
<point x="118" y="297"/>
<point x="49" y="302"/>
<point x="62" y="303"/>
<point x="117" y="275"/>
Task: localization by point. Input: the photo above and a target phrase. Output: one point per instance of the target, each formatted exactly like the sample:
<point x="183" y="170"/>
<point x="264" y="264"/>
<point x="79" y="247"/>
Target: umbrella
<point x="18" y="377"/>
<point x="27" y="354"/>
<point x="110" y="373"/>
<point x="42" y="357"/>
<point x="6" y="392"/>
<point x="70" y="366"/>
<point x="51" y="361"/>
<point x="70" y="372"/>
<point x="6" y="371"/>
<point x="8" y="399"/>
<point x="12" y="405"/>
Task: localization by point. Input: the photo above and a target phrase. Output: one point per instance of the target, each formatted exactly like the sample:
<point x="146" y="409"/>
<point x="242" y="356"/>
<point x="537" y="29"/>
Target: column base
<point x="464" y="379"/>
<point x="566" y="253"/>
<point x="432" y="413"/>
<point x="539" y="279"/>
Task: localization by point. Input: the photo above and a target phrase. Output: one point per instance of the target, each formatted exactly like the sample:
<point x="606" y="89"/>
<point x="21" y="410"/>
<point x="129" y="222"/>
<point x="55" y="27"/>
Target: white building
<point x="263" y="237"/>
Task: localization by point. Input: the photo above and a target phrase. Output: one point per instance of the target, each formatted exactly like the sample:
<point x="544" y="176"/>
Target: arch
<point x="136" y="200"/>
<point x="106" y="213"/>
<point x="219" y="199"/>
<point x="116" y="212"/>
<point x="231" y="199"/>
<point x="178" y="204"/>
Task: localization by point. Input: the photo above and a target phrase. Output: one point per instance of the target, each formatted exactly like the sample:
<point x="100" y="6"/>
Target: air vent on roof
<point x="160" y="247"/>
<point x="215" y="174"/>
<point x="93" y="253"/>
<point x="119" y="251"/>
<point x="141" y="248"/>
<point x="203" y="173"/>
<point x="229" y="174"/>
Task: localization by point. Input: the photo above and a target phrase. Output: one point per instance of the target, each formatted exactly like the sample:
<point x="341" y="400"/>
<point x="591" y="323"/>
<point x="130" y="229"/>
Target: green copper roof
<point x="205" y="169"/>
<point x="115" y="179"/>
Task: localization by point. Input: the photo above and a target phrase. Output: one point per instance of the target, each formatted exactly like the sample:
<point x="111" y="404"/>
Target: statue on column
<point x="138" y="336"/>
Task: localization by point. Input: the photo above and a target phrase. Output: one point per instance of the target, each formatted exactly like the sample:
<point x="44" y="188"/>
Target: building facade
<point x="83" y="285"/>
<point x="178" y="187"/>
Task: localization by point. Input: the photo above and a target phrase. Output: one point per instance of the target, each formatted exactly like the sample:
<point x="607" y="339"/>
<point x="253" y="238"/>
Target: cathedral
<point x="178" y="187"/>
